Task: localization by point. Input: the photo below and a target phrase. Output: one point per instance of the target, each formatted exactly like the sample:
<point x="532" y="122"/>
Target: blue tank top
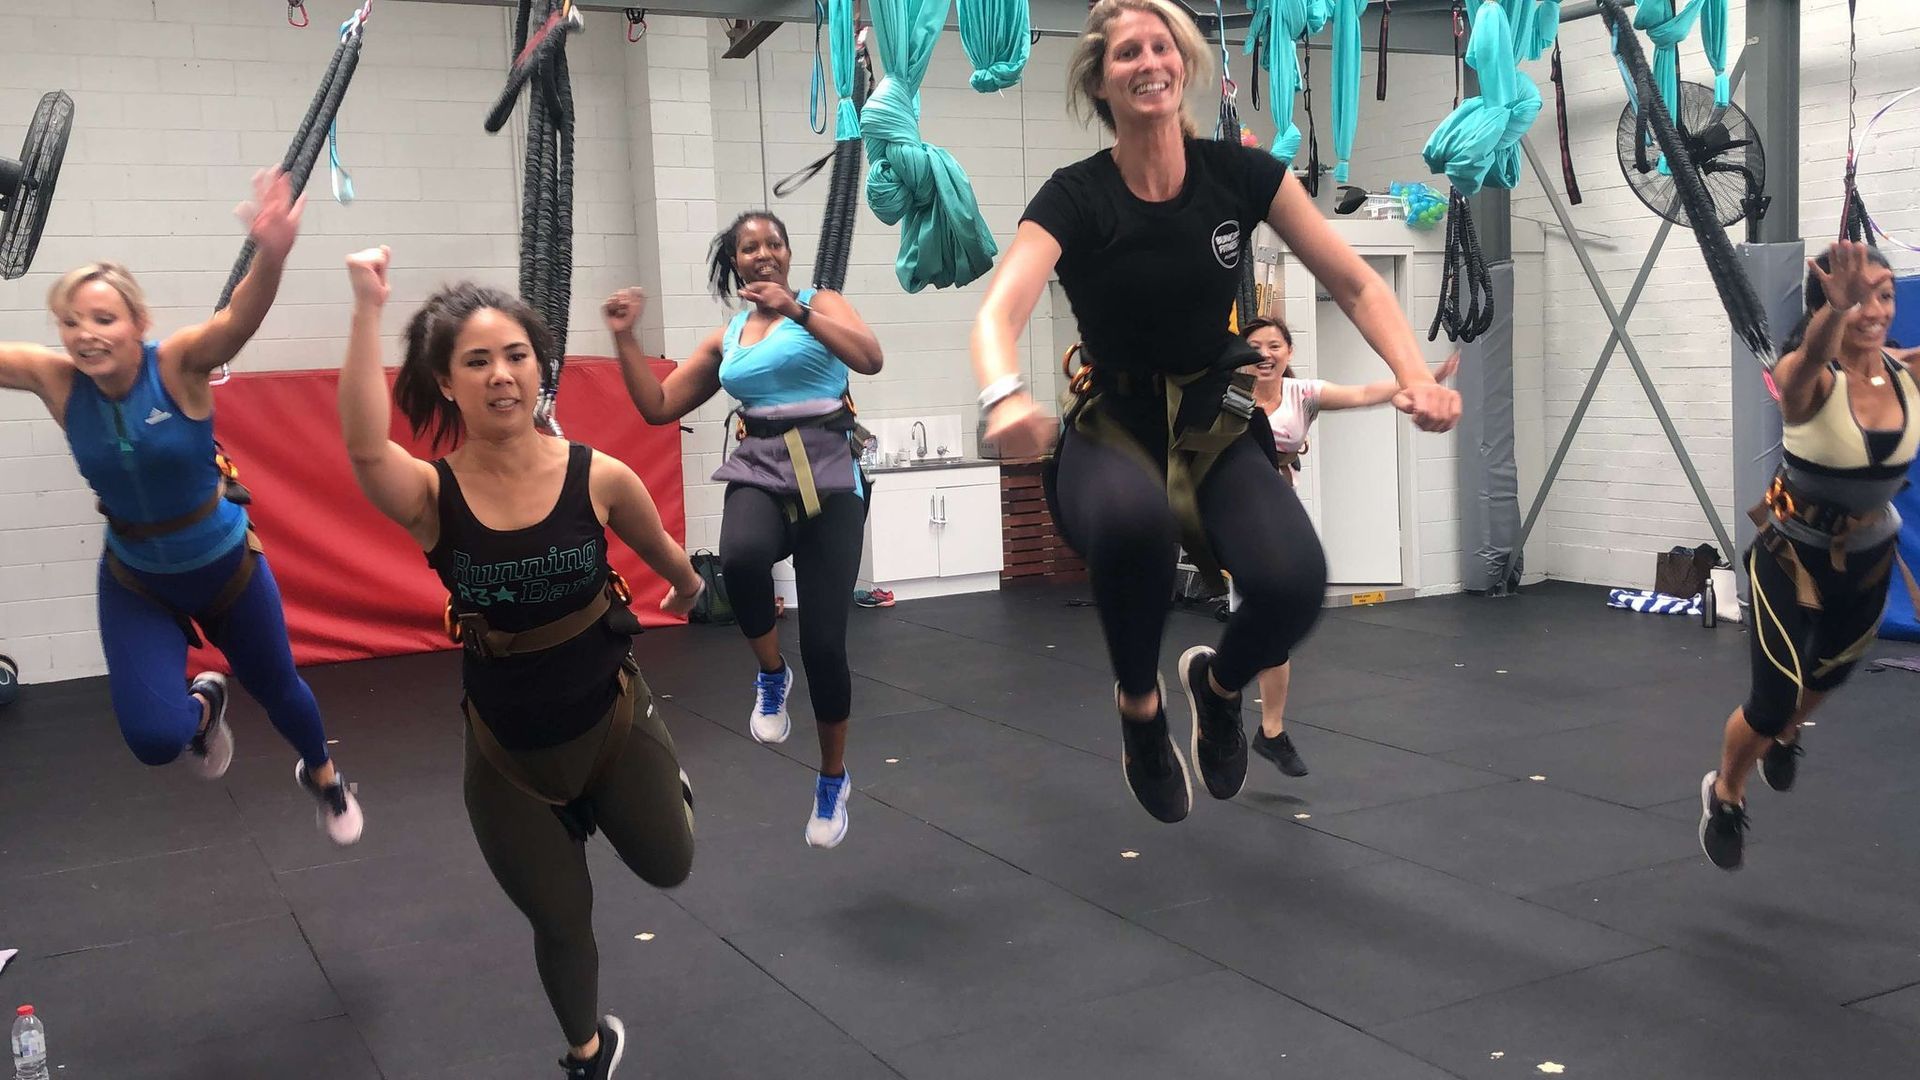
<point x="148" y="462"/>
<point x="786" y="367"/>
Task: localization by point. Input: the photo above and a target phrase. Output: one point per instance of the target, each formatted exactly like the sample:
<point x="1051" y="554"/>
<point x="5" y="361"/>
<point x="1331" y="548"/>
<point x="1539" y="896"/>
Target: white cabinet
<point x="934" y="531"/>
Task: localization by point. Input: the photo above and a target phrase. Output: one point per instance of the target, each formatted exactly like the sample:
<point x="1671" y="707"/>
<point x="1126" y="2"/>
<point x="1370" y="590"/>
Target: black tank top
<point x="523" y="578"/>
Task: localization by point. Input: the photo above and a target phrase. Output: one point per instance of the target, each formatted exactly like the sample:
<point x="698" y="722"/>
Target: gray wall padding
<point x="1778" y="272"/>
<point x="1489" y="485"/>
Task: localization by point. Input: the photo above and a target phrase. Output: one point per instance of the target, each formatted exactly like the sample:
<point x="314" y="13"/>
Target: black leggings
<point x="755" y="534"/>
<point x="1115" y="513"/>
<point x="1795" y="648"/>
<point x="637" y="803"/>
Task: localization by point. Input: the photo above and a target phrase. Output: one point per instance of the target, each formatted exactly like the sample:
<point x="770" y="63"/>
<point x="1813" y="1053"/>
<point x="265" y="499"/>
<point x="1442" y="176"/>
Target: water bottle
<point x="1708" y="616"/>
<point x="29" y="1046"/>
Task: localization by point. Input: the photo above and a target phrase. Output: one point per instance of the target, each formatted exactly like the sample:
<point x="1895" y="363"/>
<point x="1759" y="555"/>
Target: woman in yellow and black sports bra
<point x="1826" y="551"/>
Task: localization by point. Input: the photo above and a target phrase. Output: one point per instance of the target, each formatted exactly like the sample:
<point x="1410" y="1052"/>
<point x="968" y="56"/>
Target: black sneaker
<point x="613" y="1046"/>
<point x="1780" y="764"/>
<point x="1280" y="751"/>
<point x="1722" y="826"/>
<point x="1219" y="740"/>
<point x="212" y="746"/>
<point x="1155" y="773"/>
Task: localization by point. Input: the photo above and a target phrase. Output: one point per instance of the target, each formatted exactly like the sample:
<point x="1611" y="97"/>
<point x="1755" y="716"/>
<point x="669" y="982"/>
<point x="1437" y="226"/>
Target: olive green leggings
<point x="637" y="800"/>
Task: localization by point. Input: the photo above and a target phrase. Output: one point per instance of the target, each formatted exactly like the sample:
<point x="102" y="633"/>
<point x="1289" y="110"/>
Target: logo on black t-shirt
<point x="1226" y="243"/>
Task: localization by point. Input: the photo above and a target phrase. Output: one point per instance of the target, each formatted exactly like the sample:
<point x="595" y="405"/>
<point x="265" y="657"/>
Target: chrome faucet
<point x="920" y="439"/>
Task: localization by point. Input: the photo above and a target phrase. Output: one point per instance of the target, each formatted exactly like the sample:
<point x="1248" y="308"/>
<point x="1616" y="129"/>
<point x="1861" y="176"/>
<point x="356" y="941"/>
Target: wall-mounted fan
<point x="1724" y="148"/>
<point x="26" y="185"/>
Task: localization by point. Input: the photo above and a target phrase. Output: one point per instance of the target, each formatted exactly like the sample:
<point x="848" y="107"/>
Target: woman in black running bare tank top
<point x="562" y="738"/>
<point x="518" y="579"/>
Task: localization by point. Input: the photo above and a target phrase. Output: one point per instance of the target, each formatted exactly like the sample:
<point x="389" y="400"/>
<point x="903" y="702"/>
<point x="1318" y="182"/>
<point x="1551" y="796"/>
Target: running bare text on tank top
<point x="522" y="578"/>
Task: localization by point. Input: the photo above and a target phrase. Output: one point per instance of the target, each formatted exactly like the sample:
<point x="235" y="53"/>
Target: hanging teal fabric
<point x="1667" y="26"/>
<point x="1478" y="144"/>
<point x="1713" y="38"/>
<point x="998" y="36"/>
<point x="1346" y="82"/>
<point x="1276" y="26"/>
<point x="1536" y="23"/>
<point x="846" y="119"/>
<point x="943" y="240"/>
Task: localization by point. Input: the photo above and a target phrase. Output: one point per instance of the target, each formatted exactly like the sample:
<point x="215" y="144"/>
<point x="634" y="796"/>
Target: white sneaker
<point x="828" y="825"/>
<point x="769" y="722"/>
<point x="212" y="748"/>
<point x="339" y="813"/>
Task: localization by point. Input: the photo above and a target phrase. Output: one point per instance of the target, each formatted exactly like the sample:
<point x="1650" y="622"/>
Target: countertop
<point x="932" y="465"/>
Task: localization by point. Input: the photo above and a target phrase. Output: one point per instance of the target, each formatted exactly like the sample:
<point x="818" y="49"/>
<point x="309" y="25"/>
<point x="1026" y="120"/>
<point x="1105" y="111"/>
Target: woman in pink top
<point x="1290" y="405"/>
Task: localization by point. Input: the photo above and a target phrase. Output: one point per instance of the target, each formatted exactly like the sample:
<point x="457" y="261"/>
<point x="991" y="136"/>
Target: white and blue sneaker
<point x="828" y="825"/>
<point x="769" y="722"/>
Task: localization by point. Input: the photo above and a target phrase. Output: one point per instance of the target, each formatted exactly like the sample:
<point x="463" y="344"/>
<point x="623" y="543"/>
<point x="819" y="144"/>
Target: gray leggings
<point x="637" y="802"/>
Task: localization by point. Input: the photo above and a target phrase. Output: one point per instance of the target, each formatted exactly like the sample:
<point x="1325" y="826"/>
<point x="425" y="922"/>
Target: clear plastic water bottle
<point x="29" y="1046"/>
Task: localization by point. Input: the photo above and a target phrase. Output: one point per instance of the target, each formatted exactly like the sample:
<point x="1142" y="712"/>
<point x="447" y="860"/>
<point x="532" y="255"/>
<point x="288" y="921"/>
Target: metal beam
<point x="1773" y="103"/>
<point x="1633" y="353"/>
<point x="1586" y="9"/>
<point x="1420" y="27"/>
<point x="1615" y="339"/>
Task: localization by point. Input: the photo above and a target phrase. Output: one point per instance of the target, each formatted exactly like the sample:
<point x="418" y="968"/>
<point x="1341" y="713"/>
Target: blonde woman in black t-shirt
<point x="1147" y="239"/>
<point x="562" y="738"/>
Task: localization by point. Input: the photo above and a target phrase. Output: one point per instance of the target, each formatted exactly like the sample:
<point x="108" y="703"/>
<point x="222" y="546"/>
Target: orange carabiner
<point x="618" y="586"/>
<point x="450" y="624"/>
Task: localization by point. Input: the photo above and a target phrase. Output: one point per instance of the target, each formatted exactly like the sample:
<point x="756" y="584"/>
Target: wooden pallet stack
<point x="1034" y="550"/>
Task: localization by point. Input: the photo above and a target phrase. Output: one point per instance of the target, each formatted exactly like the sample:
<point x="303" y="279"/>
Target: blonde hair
<point x="117" y="277"/>
<point x="1087" y="68"/>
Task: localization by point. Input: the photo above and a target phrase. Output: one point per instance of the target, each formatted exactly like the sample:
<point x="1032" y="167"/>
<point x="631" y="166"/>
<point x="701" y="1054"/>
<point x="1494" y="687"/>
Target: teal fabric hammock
<point x="1478" y="145"/>
<point x="1276" y="26"/>
<point x="1667" y="25"/>
<point x="913" y="183"/>
<point x="997" y="35"/>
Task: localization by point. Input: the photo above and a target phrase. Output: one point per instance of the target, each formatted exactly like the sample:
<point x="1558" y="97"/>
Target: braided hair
<point x="721" y="273"/>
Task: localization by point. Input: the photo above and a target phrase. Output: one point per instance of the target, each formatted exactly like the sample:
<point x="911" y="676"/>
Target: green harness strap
<point x="1191" y="454"/>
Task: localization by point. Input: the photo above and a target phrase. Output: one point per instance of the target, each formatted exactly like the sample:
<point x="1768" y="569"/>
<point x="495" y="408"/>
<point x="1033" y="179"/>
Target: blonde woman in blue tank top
<point x="138" y="415"/>
<point x="1826" y="550"/>
<point x="794" y="487"/>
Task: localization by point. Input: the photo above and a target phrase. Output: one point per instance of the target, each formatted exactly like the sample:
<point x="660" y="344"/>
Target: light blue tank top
<point x="148" y="462"/>
<point x="786" y="367"/>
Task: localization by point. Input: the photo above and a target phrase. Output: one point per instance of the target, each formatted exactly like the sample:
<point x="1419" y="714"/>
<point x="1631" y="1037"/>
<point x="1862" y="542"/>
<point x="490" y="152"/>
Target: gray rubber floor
<point x="1491" y="872"/>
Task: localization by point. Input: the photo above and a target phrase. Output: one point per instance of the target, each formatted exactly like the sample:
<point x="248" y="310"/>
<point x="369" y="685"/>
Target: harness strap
<point x="802" y="472"/>
<point x="222" y="601"/>
<point x="471" y="629"/>
<point x="1190" y="453"/>
<point x="621" y="722"/>
<point x="148" y="530"/>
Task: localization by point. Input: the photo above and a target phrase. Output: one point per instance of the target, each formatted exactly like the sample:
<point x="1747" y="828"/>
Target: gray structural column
<point x="1773" y="104"/>
<point x="1489" y="483"/>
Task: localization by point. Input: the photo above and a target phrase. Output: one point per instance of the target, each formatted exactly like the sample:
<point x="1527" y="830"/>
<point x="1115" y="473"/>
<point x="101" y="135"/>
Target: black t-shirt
<point x="1152" y="284"/>
<point x="523" y="578"/>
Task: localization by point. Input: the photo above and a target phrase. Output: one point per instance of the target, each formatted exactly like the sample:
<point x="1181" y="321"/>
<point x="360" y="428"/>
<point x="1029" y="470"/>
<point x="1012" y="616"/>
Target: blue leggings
<point x="147" y="659"/>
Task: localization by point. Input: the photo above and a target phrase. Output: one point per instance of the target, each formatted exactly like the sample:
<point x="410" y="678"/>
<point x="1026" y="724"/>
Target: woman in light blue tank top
<point x="786" y="359"/>
<point x="138" y="415"/>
